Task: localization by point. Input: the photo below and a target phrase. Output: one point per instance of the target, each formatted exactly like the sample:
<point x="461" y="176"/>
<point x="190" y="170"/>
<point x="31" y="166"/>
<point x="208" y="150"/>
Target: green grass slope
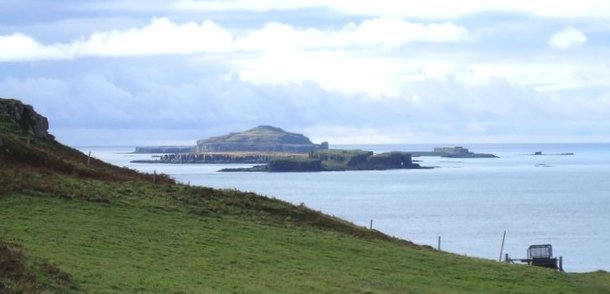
<point x="69" y="227"/>
<point x="122" y="248"/>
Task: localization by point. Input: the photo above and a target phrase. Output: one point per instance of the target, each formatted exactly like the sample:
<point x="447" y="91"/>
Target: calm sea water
<point x="558" y="200"/>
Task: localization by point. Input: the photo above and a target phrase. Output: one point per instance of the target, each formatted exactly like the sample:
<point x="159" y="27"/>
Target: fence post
<point x="154" y="177"/>
<point x="439" y="243"/>
<point x="89" y="159"/>
<point x="371" y="225"/>
<point x="502" y="247"/>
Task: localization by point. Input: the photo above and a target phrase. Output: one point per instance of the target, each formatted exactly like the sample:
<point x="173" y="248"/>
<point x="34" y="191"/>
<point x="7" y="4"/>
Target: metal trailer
<point x="540" y="255"/>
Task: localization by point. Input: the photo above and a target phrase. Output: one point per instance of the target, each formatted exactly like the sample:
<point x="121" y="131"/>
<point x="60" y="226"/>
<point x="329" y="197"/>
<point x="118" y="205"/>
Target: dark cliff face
<point x="15" y="114"/>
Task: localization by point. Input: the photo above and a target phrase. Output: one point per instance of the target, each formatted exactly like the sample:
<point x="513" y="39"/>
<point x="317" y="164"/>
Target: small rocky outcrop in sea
<point x="25" y="117"/>
<point x="452" y="152"/>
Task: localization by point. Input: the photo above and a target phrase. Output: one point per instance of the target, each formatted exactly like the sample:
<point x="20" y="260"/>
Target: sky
<point x="136" y="72"/>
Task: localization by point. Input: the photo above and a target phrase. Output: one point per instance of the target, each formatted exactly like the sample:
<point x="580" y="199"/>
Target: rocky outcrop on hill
<point x="25" y="117"/>
<point x="260" y="139"/>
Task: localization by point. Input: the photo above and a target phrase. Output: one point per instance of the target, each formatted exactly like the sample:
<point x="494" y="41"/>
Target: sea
<point x="468" y="204"/>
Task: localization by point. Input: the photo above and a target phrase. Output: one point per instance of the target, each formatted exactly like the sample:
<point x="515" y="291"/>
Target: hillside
<point x="73" y="225"/>
<point x="260" y="139"/>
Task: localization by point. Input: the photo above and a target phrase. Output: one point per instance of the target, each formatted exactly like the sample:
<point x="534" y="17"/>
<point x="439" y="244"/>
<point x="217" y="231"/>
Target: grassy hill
<point x="259" y="139"/>
<point x="67" y="226"/>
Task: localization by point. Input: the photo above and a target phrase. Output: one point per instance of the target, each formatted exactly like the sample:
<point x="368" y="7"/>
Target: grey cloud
<point x="174" y="103"/>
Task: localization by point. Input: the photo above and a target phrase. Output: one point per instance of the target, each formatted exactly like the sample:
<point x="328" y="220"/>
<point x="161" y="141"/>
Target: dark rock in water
<point x="460" y="152"/>
<point x="260" y="139"/>
<point x="543" y="165"/>
<point x="25" y="117"/>
<point x="539" y="153"/>
<point x="452" y="152"/>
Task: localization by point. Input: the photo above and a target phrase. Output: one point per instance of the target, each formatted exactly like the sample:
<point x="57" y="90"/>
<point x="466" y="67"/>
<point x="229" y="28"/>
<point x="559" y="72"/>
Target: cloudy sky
<point x="140" y="72"/>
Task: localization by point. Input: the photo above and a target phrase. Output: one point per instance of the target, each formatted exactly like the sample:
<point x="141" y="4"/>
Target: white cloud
<point x="22" y="47"/>
<point x="386" y="32"/>
<point x="425" y="111"/>
<point x="352" y="58"/>
<point x="383" y="76"/>
<point x="160" y="37"/>
<point x="393" y="75"/>
<point x="333" y="70"/>
<point x="431" y="9"/>
<point x="163" y="36"/>
<point x="396" y="31"/>
<point x="281" y="36"/>
<point x="567" y="38"/>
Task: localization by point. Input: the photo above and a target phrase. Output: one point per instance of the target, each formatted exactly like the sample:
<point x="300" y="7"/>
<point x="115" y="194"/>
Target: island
<point x="335" y="160"/>
<point x="452" y="152"/>
<point x="539" y="153"/>
<point x="256" y="145"/>
<point x="261" y="139"/>
<point x="276" y="150"/>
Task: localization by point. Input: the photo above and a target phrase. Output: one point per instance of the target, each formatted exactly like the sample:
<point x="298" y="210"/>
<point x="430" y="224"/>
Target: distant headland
<point x="261" y="139"/>
<point x="277" y="151"/>
<point x="256" y="145"/>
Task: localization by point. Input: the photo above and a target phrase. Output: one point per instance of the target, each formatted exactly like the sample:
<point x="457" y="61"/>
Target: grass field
<point x="109" y="248"/>
<point x="68" y="225"/>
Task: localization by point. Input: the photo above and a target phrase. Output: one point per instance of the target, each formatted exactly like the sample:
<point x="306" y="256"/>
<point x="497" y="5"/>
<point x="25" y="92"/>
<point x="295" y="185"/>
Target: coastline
<point x="470" y="187"/>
